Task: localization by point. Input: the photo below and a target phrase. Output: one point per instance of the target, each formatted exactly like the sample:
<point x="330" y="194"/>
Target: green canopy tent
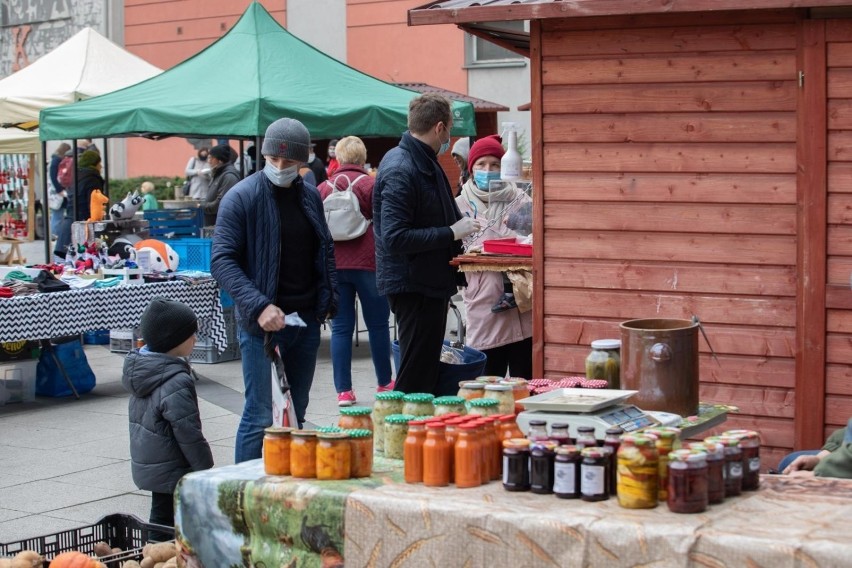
<point x="256" y="73"/>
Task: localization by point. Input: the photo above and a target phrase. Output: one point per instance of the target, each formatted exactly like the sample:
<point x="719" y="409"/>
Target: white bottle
<point x="510" y="164"/>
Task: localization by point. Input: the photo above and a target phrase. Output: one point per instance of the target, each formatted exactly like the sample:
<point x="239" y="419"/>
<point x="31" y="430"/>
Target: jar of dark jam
<point x="749" y="443"/>
<point x="687" y="492"/>
<point x="542" y="464"/>
<point x="586" y="437"/>
<point x="566" y="472"/>
<point x="559" y="434"/>
<point x="516" y="465"/>
<point x="593" y="481"/>
<point x="612" y="440"/>
<point x="537" y="431"/>
<point x="715" y="469"/>
<point x="733" y="464"/>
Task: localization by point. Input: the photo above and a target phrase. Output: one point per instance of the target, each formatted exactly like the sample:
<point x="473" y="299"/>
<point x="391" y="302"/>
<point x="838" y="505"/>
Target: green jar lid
<point x="356" y="411"/>
<point x="398" y="418"/>
<point x="418" y="397"/>
<point x="280" y="431"/>
<point x="328" y="429"/>
<point x="483" y="402"/>
<point x="390" y="395"/>
<point x="333" y="435"/>
<point x="359" y="433"/>
<point x="448" y="400"/>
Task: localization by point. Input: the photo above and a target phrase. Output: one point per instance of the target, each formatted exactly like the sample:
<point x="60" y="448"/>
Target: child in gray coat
<point x="166" y="441"/>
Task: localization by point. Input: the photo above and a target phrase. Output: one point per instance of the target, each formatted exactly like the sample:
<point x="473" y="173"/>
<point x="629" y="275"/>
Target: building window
<point x="481" y="52"/>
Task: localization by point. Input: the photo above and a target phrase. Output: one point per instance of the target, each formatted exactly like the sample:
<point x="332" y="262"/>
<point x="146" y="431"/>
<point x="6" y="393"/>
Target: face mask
<point x="331" y="152"/>
<point x="202" y="156"/>
<point x="281" y="178"/>
<point x="445" y="145"/>
<point x="483" y="178"/>
<point x="311" y="157"/>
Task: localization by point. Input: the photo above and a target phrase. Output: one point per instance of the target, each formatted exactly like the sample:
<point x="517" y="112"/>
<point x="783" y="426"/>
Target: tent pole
<point x="74" y="180"/>
<point x="31" y="197"/>
<point x="45" y="210"/>
<point x="242" y="160"/>
<point x="258" y="157"/>
<point x="106" y="168"/>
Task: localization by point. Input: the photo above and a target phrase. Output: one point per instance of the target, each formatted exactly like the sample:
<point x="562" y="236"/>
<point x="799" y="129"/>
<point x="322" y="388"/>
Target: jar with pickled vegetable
<point x="638" y="472"/>
<point x="604" y="362"/>
<point x="276" y="450"/>
<point x="303" y="453"/>
<point x="566" y="472"/>
<point x="418" y="404"/>
<point x="413" y="451"/>
<point x="436" y="456"/>
<point x="749" y="442"/>
<point x="356" y="418"/>
<point x="361" y="442"/>
<point x="484" y="406"/>
<point x="396" y="430"/>
<point x="667" y="439"/>
<point x="593" y="485"/>
<point x="687" y="491"/>
<point x="503" y="395"/>
<point x="470" y="390"/>
<point x="449" y="405"/>
<point x="715" y="469"/>
<point x="520" y="391"/>
<point x="516" y="464"/>
<point x="334" y="455"/>
<point x="387" y="403"/>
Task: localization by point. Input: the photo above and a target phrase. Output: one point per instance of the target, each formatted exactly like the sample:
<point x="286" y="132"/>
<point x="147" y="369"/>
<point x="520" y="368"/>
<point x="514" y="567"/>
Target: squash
<point x="74" y="559"/>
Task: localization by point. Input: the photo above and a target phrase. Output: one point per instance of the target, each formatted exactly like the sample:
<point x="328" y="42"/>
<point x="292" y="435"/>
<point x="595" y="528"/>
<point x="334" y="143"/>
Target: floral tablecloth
<point x="236" y="515"/>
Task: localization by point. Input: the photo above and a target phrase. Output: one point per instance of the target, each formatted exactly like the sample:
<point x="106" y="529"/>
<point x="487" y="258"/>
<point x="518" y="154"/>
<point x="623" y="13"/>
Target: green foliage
<point x="118" y="188"/>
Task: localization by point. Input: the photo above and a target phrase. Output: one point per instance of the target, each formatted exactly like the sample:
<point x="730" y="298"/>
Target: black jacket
<point x="413" y="208"/>
<point x="88" y="180"/>
<point x="224" y="178"/>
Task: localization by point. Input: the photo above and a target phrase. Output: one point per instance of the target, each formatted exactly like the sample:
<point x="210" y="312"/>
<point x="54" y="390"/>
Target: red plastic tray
<point x="507" y="246"/>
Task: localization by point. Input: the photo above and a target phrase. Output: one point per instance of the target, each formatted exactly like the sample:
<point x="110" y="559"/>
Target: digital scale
<point x="600" y="408"/>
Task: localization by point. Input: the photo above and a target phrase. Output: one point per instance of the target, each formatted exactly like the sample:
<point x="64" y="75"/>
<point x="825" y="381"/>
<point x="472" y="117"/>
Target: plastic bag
<point x="451" y="355"/>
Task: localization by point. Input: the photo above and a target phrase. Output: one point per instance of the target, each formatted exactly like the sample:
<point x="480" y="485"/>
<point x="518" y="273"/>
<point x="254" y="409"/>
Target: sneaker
<point x="346" y="398"/>
<point x="506" y="302"/>
<point x="387" y="387"/>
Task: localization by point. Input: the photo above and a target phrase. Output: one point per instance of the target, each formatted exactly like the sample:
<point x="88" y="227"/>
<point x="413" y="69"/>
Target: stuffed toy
<point x="123" y="245"/>
<point x="127" y="208"/>
<point x="162" y="257"/>
<point x="96" y="205"/>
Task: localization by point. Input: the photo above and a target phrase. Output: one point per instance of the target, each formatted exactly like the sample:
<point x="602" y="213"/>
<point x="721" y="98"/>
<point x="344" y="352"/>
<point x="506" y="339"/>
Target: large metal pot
<point x="659" y="358"/>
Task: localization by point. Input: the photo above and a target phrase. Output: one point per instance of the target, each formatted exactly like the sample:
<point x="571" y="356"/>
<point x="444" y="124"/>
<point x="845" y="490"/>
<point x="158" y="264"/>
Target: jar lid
<point x="489" y="379"/>
<point x="417" y="421"/>
<point x="592" y="453"/>
<point x="398" y="418"/>
<point x="472" y="385"/>
<point x="698" y="447"/>
<point x="356" y="411"/>
<point x="537" y="423"/>
<point x="691" y="456"/>
<point x="606" y="344"/>
<point x="559" y="425"/>
<point x="585" y="428"/>
<point x="567" y="451"/>
<point x="615" y="431"/>
<point x="742" y="434"/>
<point x="332" y="435"/>
<point x="418" y="397"/>
<point x="304" y="433"/>
<point x="664" y="432"/>
<point x="498" y="387"/>
<point x="457" y="421"/>
<point x="725" y="441"/>
<point x="278" y="431"/>
<point x="638" y="439"/>
<point x="390" y="395"/>
<point x="516" y="443"/>
<point x="447" y="400"/>
<point x="359" y="433"/>
<point x="484" y="402"/>
<point x="328" y="429"/>
<point x="435" y="425"/>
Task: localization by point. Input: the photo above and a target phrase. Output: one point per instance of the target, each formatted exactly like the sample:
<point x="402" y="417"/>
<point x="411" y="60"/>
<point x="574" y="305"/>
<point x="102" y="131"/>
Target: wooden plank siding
<point x="669" y="152"/>
<point x="838" y="344"/>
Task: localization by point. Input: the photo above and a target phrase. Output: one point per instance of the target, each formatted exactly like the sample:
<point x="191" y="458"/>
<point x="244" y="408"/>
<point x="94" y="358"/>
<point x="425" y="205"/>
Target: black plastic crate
<point x="126" y="532"/>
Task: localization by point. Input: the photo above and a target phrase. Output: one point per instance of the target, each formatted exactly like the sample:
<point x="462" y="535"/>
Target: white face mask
<point x="311" y="157"/>
<point x="281" y="178"/>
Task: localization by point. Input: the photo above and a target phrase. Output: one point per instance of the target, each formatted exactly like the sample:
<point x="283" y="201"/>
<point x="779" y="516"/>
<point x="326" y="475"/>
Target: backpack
<point x="343" y="211"/>
<point x="65" y="173"/>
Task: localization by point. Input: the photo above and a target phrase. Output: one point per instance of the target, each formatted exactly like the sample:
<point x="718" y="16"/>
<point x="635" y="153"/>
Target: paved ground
<point x="64" y="463"/>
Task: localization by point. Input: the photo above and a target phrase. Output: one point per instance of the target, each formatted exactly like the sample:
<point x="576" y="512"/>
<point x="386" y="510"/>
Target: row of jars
<point x="329" y="453"/>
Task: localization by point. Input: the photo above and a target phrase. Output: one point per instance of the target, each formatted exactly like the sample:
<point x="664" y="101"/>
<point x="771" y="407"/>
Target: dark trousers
<point x="421" y="322"/>
<point x="516" y="357"/>
<point x="162" y="513"/>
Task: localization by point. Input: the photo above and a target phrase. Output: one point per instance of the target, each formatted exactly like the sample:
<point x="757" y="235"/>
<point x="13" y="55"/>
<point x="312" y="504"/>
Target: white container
<point x="511" y="164"/>
<point x="18" y="381"/>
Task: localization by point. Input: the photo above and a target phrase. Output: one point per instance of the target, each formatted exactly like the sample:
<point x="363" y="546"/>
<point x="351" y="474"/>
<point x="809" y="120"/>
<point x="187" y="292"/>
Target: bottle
<point x="586" y="437"/>
<point x="413" y="451"/>
<point x="466" y="458"/>
<point x="593" y="482"/>
<point x="436" y="456"/>
<point x="510" y="163"/>
<point x="537" y="431"/>
<point x="559" y="434"/>
<point x="542" y="467"/>
<point x="612" y="440"/>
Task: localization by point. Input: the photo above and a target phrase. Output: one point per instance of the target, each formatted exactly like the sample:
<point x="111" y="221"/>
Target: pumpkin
<point x="74" y="559"/>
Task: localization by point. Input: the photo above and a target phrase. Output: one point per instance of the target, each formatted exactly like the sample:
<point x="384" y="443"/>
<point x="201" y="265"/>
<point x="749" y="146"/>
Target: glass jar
<point x="566" y="472"/>
<point x="334" y="455"/>
<point x="733" y="465"/>
<point x="749" y="442"/>
<point x="470" y="390"/>
<point x="387" y="403"/>
<point x="483" y="438"/>
<point x="612" y="440"/>
<point x="496" y="449"/>
<point x="604" y="362"/>
<point x="667" y="440"/>
<point x="520" y="391"/>
<point x="637" y="472"/>
<point x="413" y="451"/>
<point x="418" y="404"/>
<point x="715" y="469"/>
<point x="687" y="492"/>
<point x="361" y="442"/>
<point x="466" y="457"/>
<point x="586" y="437"/>
<point x="542" y="462"/>
<point x="484" y="406"/>
<point x="516" y="464"/>
<point x="303" y="453"/>
<point x="489" y="379"/>
<point x="436" y="456"/>
<point x="537" y="431"/>
<point x="593" y="486"/>
<point x="355" y="418"/>
<point x="504" y="397"/>
<point x="559" y="433"/>
<point x="449" y="405"/>
<point x="276" y="450"/>
<point x="396" y="430"/>
<point x="509" y="427"/>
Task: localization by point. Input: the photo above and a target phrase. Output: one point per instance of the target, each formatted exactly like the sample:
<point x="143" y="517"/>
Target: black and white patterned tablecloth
<point x="56" y="314"/>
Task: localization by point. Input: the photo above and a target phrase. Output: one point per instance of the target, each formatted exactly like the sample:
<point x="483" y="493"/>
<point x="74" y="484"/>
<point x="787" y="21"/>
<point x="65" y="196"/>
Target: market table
<point x="56" y="314"/>
<point x="236" y="515"/>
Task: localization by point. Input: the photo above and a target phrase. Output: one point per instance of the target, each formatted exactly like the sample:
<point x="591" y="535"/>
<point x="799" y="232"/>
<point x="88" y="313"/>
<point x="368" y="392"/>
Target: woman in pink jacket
<point x="505" y="336"/>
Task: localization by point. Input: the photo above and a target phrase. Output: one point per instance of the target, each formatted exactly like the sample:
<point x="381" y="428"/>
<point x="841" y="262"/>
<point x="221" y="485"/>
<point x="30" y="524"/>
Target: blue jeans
<point x="298" y="347"/>
<point x="376" y="315"/>
<point x="56" y="216"/>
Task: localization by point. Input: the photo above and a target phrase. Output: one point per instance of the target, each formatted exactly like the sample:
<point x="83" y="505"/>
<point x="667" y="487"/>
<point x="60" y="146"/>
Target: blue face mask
<point x="483" y="178"/>
<point x="281" y="178"/>
<point x="445" y="145"/>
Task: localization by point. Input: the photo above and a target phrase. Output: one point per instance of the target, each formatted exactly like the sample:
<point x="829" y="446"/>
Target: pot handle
<point x="660" y="352"/>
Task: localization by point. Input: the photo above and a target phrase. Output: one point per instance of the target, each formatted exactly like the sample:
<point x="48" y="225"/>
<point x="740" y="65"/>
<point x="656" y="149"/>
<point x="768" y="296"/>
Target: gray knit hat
<point x="287" y="138"/>
<point x="166" y="324"/>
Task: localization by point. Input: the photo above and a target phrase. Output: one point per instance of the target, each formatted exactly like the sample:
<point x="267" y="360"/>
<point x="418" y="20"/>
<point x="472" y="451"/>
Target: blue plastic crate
<point x="96" y="337"/>
<point x="177" y="223"/>
<point x="226" y="299"/>
<point x="194" y="253"/>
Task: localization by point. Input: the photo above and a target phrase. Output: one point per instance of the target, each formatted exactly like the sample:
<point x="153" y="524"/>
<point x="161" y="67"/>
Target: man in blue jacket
<point x="273" y="253"/>
<point x="418" y="230"/>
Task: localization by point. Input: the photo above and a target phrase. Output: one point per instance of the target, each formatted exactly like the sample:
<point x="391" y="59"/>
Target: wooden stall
<point x="695" y="157"/>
